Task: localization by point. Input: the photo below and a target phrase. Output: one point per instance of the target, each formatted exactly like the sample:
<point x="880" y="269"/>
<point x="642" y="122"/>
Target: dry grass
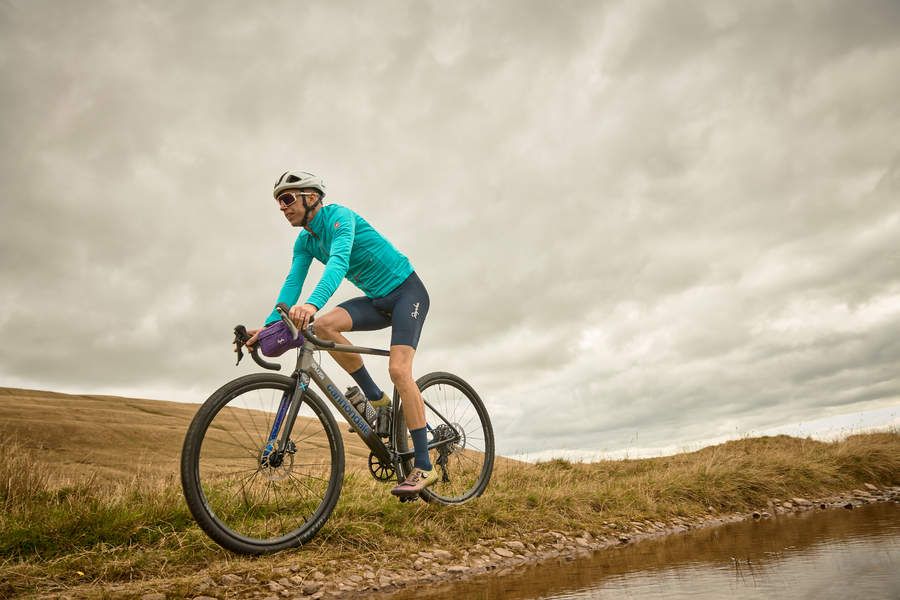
<point x="64" y="527"/>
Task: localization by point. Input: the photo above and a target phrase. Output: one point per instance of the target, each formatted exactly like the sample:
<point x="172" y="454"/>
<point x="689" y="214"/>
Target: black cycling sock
<point x="366" y="383"/>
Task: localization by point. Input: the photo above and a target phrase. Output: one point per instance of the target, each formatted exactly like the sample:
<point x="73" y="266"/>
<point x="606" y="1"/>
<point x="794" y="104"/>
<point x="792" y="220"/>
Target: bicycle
<point x="264" y="451"/>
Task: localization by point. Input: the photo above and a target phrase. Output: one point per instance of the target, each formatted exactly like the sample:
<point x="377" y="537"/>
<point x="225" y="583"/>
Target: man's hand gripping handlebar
<point x="241" y="336"/>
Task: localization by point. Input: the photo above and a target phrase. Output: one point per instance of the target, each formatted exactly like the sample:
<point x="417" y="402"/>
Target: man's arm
<point x="293" y="283"/>
<point x="343" y="223"/>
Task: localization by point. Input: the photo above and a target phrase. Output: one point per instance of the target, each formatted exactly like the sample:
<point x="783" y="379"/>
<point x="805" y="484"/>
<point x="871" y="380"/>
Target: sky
<point x="643" y="225"/>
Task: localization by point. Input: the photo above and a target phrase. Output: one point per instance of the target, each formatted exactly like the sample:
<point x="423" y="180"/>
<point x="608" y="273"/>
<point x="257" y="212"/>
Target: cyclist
<point x="394" y="297"/>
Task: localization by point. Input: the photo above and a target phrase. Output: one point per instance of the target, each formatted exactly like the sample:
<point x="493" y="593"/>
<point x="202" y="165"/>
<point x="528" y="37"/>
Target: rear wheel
<point x="246" y="497"/>
<point x="460" y="429"/>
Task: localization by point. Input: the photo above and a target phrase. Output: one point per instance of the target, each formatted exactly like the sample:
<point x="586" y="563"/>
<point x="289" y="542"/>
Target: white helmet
<point x="296" y="180"/>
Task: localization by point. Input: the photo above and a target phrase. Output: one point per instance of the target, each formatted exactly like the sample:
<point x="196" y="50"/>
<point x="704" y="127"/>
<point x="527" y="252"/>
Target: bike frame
<point x="306" y="369"/>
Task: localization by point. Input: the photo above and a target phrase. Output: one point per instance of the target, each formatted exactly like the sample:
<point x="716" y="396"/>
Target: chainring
<point x="379" y="470"/>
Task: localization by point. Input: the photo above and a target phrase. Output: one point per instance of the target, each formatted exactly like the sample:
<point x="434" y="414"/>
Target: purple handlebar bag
<point x="276" y="339"/>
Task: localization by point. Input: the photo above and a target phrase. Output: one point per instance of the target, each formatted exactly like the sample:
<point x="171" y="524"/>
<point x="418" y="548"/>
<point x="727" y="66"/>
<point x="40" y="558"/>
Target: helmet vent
<point x="292" y="179"/>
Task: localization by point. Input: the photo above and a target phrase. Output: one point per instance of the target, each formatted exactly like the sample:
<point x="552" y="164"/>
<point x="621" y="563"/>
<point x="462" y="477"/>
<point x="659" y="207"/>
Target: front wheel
<point x="248" y="494"/>
<point x="460" y="434"/>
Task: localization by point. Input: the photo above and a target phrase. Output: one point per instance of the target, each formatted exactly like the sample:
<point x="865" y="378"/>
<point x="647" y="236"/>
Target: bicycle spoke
<point x="241" y="425"/>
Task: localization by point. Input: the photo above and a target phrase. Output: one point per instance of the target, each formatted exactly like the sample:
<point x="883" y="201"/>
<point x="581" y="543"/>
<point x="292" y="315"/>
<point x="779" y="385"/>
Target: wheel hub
<point x="276" y="464"/>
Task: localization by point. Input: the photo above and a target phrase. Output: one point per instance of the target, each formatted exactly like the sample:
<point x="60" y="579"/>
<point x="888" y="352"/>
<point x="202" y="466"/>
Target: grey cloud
<point x="615" y="206"/>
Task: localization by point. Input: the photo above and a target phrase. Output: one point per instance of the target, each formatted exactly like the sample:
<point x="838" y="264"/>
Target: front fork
<point x="273" y="454"/>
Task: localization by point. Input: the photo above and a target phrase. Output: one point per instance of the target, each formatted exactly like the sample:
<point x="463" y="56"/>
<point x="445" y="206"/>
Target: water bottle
<point x="361" y="404"/>
<point x="383" y="422"/>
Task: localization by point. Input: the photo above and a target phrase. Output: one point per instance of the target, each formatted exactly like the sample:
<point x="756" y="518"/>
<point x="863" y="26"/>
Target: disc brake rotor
<point x="276" y="470"/>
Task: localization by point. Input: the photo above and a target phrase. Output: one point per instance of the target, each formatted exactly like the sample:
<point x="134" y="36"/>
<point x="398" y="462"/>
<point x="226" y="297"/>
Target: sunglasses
<point x="288" y="198"/>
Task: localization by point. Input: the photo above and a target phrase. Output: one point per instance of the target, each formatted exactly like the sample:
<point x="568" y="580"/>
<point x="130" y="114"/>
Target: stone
<point x="311" y="587"/>
<point x="515" y="546"/>
<point x="442" y="554"/>
<point x="848" y="506"/>
<point x="869" y="486"/>
<point x="624" y="539"/>
<point x="787" y="505"/>
<point x="457" y="568"/>
<point x="801" y="502"/>
<point x="503" y="552"/>
<point x="274" y="586"/>
<point x="203" y="598"/>
<point x="318" y="575"/>
<point x="230" y="579"/>
<point x="756" y="515"/>
<point x="154" y="596"/>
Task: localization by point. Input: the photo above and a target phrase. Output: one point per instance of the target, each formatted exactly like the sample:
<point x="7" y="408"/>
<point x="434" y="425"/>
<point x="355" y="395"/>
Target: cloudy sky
<point x="643" y="225"/>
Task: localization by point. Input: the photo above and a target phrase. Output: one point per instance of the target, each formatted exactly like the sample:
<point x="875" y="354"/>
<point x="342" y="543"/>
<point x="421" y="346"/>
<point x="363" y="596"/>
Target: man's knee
<point x="334" y="321"/>
<point x="400" y="364"/>
<point x="399" y="373"/>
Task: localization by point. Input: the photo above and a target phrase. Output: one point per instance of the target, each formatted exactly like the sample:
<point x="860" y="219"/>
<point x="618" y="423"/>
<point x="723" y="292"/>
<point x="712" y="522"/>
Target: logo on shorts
<point x="415" y="313"/>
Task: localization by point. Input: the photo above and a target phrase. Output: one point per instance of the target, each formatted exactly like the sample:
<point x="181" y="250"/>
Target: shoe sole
<point x="402" y="493"/>
<point x="406" y="493"/>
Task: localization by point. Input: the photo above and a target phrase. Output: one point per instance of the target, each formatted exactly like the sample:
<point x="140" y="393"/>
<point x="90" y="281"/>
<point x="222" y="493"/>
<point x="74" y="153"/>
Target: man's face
<point x="293" y="203"/>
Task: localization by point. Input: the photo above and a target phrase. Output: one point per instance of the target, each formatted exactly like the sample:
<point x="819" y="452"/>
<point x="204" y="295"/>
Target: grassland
<point x="92" y="505"/>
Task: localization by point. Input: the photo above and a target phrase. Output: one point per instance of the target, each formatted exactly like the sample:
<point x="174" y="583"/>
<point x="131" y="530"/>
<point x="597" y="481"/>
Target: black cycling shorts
<point x="403" y="309"/>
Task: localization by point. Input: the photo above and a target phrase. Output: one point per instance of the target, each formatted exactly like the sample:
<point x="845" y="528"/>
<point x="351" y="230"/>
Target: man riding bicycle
<point x="395" y="297"/>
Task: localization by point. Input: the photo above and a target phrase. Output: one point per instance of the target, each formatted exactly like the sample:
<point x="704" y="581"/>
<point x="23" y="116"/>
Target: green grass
<point x="56" y="534"/>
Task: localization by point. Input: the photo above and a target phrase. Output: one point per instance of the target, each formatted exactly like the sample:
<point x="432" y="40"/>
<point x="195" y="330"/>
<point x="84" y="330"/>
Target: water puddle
<point x="817" y="554"/>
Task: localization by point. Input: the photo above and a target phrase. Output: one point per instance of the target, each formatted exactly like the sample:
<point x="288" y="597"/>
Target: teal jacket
<point x="348" y="247"/>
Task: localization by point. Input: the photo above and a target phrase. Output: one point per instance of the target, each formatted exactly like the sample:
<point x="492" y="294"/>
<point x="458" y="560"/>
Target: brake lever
<point x="240" y="338"/>
<point x="284" y="312"/>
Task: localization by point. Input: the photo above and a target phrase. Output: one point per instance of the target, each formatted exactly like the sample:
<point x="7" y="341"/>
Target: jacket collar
<point x="317" y="225"/>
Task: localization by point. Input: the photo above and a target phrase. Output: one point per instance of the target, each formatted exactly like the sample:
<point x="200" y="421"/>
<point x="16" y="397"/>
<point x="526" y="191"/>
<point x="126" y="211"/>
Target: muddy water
<point x="841" y="554"/>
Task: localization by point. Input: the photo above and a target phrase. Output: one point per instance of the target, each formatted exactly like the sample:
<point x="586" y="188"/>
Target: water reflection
<point x="823" y="554"/>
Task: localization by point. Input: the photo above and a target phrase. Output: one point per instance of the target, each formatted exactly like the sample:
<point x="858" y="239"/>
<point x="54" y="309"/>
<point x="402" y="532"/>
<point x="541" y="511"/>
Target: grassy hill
<point x="92" y="504"/>
<point x="109" y="438"/>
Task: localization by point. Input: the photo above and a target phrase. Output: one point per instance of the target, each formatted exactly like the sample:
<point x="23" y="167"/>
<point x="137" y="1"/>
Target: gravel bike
<point x="262" y="463"/>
